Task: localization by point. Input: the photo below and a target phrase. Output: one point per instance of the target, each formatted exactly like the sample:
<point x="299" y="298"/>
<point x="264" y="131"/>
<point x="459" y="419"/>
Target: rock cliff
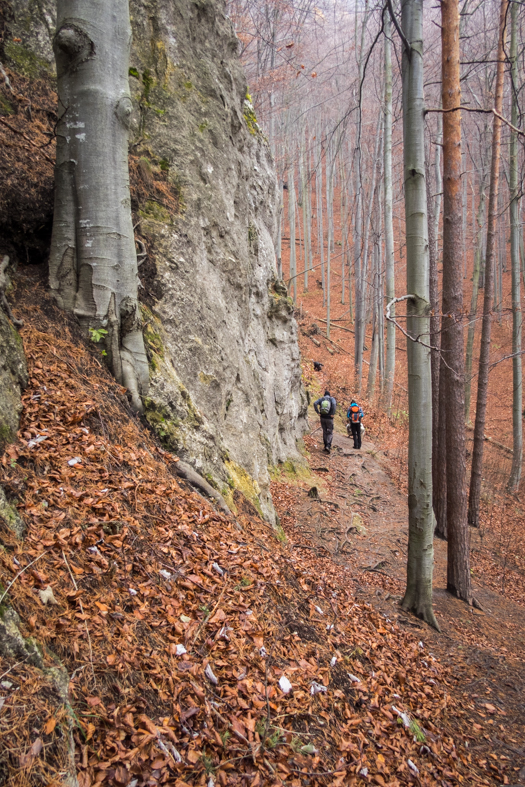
<point x="226" y="392"/>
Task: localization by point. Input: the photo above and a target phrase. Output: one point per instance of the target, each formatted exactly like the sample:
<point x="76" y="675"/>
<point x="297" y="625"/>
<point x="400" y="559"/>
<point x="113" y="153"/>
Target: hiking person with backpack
<point x="325" y="407"/>
<point x="355" y="415"/>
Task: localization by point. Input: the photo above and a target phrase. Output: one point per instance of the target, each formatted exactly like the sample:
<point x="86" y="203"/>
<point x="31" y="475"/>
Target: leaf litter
<point x="199" y="677"/>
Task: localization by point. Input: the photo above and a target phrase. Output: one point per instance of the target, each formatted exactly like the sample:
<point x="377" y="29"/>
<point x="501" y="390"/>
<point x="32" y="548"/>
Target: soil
<point x="484" y="647"/>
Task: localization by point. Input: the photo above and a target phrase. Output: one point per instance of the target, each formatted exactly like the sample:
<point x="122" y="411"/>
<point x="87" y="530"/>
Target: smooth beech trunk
<point x="435" y="356"/>
<point x="93" y="261"/>
<point x="390" y="364"/>
<point x="478" y="253"/>
<point x="517" y="383"/>
<point x="486" y="328"/>
<point x="452" y="372"/>
<point x="418" y="594"/>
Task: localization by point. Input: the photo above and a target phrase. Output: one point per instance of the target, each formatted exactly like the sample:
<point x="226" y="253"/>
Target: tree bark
<point x="517" y="383"/>
<point x="452" y="370"/>
<point x="478" y="253"/>
<point x="93" y="261"/>
<point x="438" y="473"/>
<point x="291" y="221"/>
<point x="418" y="594"/>
<point x="389" y="226"/>
<point x="484" y="356"/>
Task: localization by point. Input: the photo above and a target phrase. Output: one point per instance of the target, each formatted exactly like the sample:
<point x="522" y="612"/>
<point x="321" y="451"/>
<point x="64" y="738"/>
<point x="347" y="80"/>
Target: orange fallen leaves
<point x="143" y="588"/>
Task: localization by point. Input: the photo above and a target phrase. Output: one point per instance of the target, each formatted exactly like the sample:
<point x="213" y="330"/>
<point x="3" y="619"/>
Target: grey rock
<point x="13" y="378"/>
<point x="10" y="516"/>
<point x="229" y="386"/>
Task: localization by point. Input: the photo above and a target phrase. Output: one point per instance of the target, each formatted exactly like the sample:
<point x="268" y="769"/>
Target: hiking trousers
<point x="328" y="431"/>
<point x="356" y="433"/>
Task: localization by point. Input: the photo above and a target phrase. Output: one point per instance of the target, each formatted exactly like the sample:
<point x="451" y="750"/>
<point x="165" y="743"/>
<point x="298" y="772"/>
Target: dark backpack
<point x="325" y="406"/>
<point x="354" y="413"/>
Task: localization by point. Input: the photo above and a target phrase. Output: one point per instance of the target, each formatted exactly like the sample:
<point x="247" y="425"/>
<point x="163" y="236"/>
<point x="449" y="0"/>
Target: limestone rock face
<point x="13" y="378"/>
<point x="226" y="392"/>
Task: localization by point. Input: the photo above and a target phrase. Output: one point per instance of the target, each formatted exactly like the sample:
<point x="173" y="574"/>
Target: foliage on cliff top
<point x="178" y="626"/>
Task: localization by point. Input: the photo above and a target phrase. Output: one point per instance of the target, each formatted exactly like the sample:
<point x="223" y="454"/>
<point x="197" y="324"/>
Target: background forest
<point x="191" y="592"/>
<point x="327" y="87"/>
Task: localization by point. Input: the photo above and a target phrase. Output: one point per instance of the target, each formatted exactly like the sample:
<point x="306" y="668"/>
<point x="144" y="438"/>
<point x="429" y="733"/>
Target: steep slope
<point x="226" y="391"/>
<point x="177" y="626"/>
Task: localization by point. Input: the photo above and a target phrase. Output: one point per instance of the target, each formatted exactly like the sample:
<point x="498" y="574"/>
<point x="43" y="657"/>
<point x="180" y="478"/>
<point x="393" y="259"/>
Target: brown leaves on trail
<point x="179" y="630"/>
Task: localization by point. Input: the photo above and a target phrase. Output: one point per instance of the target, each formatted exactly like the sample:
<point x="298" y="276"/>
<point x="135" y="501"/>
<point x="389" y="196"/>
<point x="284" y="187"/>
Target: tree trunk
<point x="484" y="355"/>
<point x="452" y="348"/>
<point x="291" y="220"/>
<point x="93" y="261"/>
<point x="517" y="383"/>
<point x="418" y="594"/>
<point x="438" y="471"/>
<point x="390" y="364"/>
<point x="478" y="253"/>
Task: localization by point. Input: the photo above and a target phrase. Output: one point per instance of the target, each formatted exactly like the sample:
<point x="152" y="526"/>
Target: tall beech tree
<point x="486" y="327"/>
<point x="418" y="594"/>
<point x="452" y="372"/>
<point x="390" y="364"/>
<point x="93" y="262"/>
<point x="517" y="382"/>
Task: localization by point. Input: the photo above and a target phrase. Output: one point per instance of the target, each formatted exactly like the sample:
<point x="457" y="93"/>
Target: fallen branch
<point x="493" y="442"/>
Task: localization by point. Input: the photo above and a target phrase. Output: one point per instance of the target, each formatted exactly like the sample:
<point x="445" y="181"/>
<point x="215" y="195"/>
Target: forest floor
<point x="360" y="523"/>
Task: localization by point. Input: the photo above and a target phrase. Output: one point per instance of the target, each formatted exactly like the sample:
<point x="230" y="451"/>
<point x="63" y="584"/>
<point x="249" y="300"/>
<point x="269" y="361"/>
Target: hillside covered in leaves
<point x="198" y="649"/>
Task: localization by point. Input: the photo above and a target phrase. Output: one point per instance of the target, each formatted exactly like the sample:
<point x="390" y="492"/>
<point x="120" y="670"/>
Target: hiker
<point x="355" y="415"/>
<point x="325" y="407"/>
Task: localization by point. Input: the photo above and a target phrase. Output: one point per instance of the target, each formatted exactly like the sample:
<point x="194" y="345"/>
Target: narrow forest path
<point x="358" y="520"/>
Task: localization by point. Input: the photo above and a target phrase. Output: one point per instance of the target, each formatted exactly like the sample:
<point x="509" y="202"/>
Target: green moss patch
<point x="154" y="211"/>
<point x="241" y="480"/>
<point x="24" y="61"/>
<point x="151" y="329"/>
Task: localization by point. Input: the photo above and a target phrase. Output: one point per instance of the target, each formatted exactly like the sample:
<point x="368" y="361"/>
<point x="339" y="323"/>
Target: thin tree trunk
<point x="439" y="181"/>
<point x="438" y="471"/>
<point x="93" y="261"/>
<point x="478" y="253"/>
<point x="452" y="348"/>
<point x="364" y="264"/>
<point x="291" y="221"/>
<point x="517" y="383"/>
<point x="280" y="235"/>
<point x="484" y="356"/>
<point x="319" y="178"/>
<point x="329" y="194"/>
<point x="389" y="226"/>
<point x="418" y="594"/>
<point x="358" y="256"/>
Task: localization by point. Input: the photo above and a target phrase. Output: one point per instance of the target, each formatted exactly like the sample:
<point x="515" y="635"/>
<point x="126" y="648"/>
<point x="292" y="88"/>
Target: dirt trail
<point x="360" y="521"/>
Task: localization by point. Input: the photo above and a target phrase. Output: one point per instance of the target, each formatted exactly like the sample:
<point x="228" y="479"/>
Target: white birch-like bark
<point x="93" y="261"/>
<point x="418" y="594"/>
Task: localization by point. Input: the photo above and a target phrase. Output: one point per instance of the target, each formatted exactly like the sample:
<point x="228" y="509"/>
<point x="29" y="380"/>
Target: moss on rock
<point x="242" y="481"/>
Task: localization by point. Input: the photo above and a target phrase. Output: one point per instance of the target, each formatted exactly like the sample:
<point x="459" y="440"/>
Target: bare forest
<point x="213" y="218"/>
